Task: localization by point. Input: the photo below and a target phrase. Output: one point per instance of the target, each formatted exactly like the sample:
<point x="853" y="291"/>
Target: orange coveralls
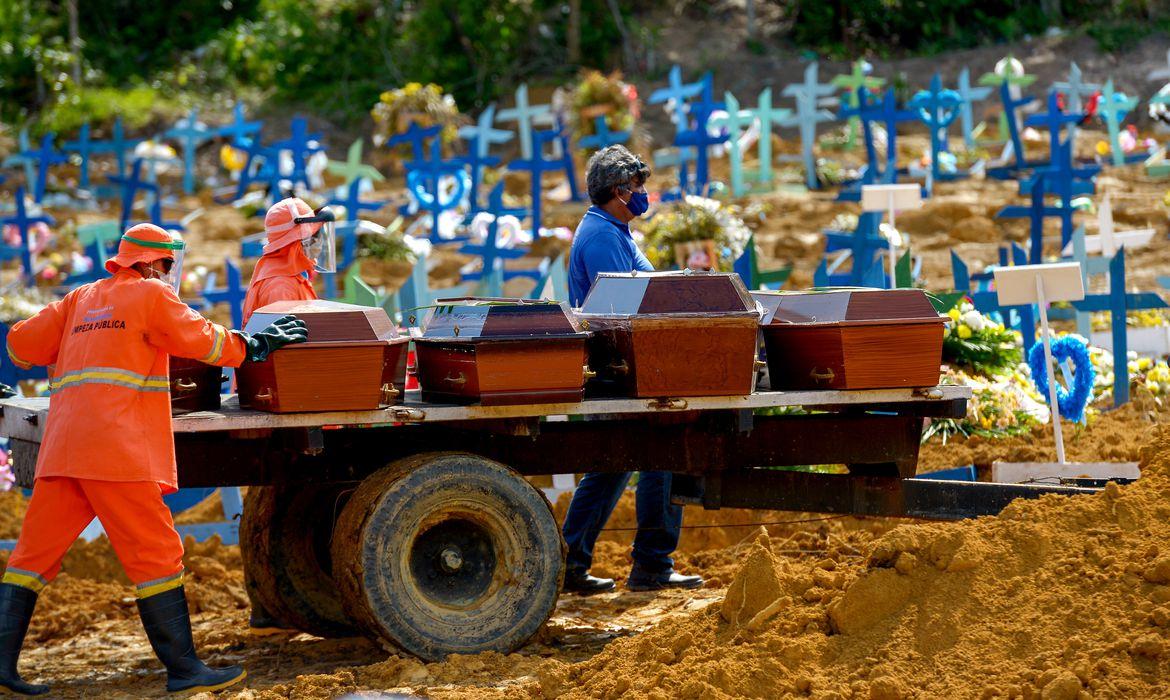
<point x="278" y="277"/>
<point x="108" y="448"/>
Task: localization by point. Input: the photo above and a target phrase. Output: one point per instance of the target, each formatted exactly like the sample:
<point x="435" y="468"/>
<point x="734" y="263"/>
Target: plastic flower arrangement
<point x="976" y="343"/>
<point x="695" y="219"/>
<point x="425" y="104"/>
<point x="1145" y="318"/>
<point x="1144" y="372"/>
<point x="999" y="407"/>
<point x="597" y="94"/>
<point x="21" y="303"/>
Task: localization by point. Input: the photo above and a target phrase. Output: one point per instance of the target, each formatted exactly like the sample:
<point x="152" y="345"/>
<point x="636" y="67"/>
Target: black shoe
<point x="641" y="580"/>
<point x="582" y="583"/>
<point x="168" y="626"/>
<point x="16" y="609"/>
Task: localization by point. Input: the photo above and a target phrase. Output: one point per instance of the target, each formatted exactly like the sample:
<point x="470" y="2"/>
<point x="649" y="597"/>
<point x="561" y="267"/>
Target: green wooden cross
<point x="849" y="82"/>
<point x="352" y="167"/>
<point x="357" y="291"/>
<point x="1113" y="108"/>
<point x="768" y="118"/>
<point x="735" y="122"/>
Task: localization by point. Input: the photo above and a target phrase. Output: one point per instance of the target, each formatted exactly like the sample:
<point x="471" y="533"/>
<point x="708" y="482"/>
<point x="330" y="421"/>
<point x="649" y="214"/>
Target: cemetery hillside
<point x="855" y="314"/>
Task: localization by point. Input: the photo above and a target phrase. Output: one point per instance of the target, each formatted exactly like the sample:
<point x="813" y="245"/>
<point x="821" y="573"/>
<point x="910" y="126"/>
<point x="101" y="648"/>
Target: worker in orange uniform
<point x="299" y="241"/>
<point x="108" y="450"/>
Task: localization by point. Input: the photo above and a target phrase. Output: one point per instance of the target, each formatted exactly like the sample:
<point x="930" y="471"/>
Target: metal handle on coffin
<point x="459" y="381"/>
<point x="619" y="367"/>
<point x="389" y="393"/>
<point x="183" y="385"/>
<point x="760" y="364"/>
<point x="827" y="376"/>
<point x="589" y="374"/>
<point x="263" y="396"/>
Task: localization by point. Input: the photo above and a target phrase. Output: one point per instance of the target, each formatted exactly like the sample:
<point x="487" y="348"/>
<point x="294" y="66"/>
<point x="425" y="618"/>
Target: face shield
<point x="169" y="270"/>
<point x="321" y="247"/>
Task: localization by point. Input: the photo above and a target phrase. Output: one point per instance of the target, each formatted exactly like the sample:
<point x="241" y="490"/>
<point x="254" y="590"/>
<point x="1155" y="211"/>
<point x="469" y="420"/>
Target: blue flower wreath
<point x="1072" y="403"/>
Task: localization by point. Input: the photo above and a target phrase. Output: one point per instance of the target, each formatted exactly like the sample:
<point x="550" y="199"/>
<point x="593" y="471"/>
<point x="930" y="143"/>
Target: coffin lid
<point x="860" y="306"/>
<point x="668" y="294"/>
<point x="330" y="322"/>
<point x="493" y="318"/>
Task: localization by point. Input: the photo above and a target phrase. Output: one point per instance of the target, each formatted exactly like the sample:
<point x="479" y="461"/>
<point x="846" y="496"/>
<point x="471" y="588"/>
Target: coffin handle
<point x="589" y="374"/>
<point x="760" y="364"/>
<point x="457" y="381"/>
<point x="263" y="396"/>
<point x="389" y="393"/>
<point x="619" y="367"/>
<point x="183" y="385"/>
<point x="827" y="376"/>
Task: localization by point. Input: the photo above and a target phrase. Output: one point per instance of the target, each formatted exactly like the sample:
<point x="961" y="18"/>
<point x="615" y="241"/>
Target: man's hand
<point x="286" y="330"/>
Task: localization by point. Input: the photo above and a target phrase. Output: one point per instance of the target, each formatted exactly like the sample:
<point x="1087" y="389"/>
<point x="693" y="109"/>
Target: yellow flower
<point x="954" y="314"/>
<point x="964" y="332"/>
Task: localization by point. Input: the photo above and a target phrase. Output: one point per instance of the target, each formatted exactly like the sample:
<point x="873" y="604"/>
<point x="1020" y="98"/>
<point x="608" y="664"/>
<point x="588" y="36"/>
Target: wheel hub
<point x="453" y="563"/>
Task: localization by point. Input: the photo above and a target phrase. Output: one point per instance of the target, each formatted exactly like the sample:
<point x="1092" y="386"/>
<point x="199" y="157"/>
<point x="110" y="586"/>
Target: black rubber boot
<point x="16" y="609"/>
<point x="168" y="626"/>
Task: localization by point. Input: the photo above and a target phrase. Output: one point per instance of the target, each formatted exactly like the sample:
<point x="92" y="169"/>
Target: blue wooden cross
<point x="261" y="161"/>
<point x="563" y="150"/>
<point x="83" y="147"/>
<point x="190" y="133"/>
<point x="239" y="131"/>
<point x="431" y="173"/>
<point x="1113" y="107"/>
<point x="232" y="293"/>
<point x="131" y="184"/>
<point x="869" y="110"/>
<point x="808" y="115"/>
<point x="1010" y="106"/>
<point x="1118" y="302"/>
<point x="1036" y="212"/>
<point x="969" y="96"/>
<point x="1054" y="120"/>
<point x="698" y="136"/>
<point x="479" y="140"/>
<point x="1090" y="265"/>
<point x="353" y="202"/>
<point x="119" y="145"/>
<point x="302" y="145"/>
<point x="679" y="93"/>
<point x="416" y="136"/>
<point x="735" y="123"/>
<point x="1076" y="90"/>
<point x="490" y="252"/>
<point x="1064" y="181"/>
<point x="536" y="167"/>
<point x="24" y="145"/>
<point x="23" y="222"/>
<point x="858" y="77"/>
<point x="45" y="157"/>
<point x="864" y="246"/>
<point x="352" y="168"/>
<point x="937" y="108"/>
<point x="525" y="116"/>
<point x="678" y="158"/>
<point x="602" y="136"/>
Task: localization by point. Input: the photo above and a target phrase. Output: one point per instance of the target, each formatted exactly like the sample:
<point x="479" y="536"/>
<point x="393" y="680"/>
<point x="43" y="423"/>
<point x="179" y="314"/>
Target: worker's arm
<point x="36" y="340"/>
<point x="181" y="331"/>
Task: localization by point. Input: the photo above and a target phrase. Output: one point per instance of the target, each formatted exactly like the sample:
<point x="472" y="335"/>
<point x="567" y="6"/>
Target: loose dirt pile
<point x="1056" y="598"/>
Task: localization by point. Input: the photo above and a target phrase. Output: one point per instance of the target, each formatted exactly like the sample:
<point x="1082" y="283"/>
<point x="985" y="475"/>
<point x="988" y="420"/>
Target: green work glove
<point x="6" y="392"/>
<point x="283" y="331"/>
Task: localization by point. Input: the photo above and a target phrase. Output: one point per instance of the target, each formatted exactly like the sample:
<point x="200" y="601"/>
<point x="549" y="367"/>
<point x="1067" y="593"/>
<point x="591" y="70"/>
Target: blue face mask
<point x="638" y="204"/>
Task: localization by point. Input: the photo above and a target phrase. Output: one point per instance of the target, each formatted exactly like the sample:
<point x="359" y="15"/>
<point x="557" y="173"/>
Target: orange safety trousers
<point x="135" y="519"/>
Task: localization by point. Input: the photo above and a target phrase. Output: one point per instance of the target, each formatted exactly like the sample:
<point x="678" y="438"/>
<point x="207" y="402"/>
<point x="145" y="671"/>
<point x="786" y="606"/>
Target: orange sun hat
<point x="144" y="243"/>
<point x="280" y="228"/>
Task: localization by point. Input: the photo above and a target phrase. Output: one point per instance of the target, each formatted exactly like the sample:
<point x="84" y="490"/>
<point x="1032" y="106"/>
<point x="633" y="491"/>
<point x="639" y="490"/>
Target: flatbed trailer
<point x="415" y="526"/>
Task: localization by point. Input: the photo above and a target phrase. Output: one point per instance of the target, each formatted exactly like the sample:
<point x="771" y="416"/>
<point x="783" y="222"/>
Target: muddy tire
<point x="448" y="553"/>
<point x="285" y="544"/>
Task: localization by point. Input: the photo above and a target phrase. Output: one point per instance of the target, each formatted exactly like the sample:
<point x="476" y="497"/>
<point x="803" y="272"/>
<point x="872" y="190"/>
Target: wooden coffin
<point x="195" y="386"/>
<point x="500" y="351"/>
<point x="864" y="339"/>
<point x="354" y="360"/>
<point x="670" y="334"/>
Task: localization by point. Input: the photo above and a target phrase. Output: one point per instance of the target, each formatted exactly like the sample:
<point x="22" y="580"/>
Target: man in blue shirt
<point x="616" y="180"/>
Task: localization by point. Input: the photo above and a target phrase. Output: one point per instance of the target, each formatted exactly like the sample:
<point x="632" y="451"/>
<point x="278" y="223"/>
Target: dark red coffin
<point x="665" y="334"/>
<point x="501" y="351"/>
<point x="354" y="360"/>
<point x="195" y="386"/>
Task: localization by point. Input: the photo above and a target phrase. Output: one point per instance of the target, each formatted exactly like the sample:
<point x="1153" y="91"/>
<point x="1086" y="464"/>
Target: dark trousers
<point x="659" y="522"/>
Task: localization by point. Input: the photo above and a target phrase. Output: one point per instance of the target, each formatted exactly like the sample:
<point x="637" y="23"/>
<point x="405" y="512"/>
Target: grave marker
<point x="525" y="116"/>
<point x="808" y="115"/>
<point x="190" y="133"/>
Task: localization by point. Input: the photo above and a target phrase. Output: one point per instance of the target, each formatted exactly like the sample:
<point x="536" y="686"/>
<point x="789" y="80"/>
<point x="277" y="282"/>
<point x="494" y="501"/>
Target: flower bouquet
<point x="596" y="95"/>
<point x="976" y="343"/>
<point x="696" y="231"/>
<point x="427" y="105"/>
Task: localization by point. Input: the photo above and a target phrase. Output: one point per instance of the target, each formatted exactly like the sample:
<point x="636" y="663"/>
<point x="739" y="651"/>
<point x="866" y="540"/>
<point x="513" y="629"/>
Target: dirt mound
<point x="1055" y="598"/>
<point x="13" y="505"/>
